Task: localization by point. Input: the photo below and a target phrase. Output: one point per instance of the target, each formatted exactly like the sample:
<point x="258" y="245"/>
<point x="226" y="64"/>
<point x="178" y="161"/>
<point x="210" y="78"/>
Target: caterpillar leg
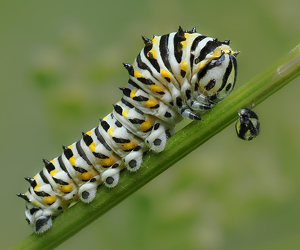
<point x="39" y="222"/>
<point x="195" y="105"/>
<point x="39" y="215"/>
<point x="189" y="114"/>
<point x="88" y="191"/>
<point x="134" y="159"/>
<point x="159" y="143"/>
<point x="157" y="140"/>
<point x="111" y="176"/>
<point x="42" y="224"/>
<point x="36" y="219"/>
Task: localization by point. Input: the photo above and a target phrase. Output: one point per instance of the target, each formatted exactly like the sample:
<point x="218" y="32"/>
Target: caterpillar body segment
<point x="175" y="76"/>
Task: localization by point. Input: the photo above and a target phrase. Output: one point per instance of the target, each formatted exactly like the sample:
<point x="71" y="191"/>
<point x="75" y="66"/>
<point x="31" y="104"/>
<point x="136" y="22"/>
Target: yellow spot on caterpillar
<point x="218" y="52"/>
<point x="50" y="200"/>
<point x="70" y="146"/>
<point x="132" y="93"/>
<point x="117" y="102"/>
<point x="152" y="54"/>
<point x="156" y="88"/>
<point x="108" y="162"/>
<point x="67" y="188"/>
<point x="110" y="131"/>
<point x="130" y="145"/>
<point x="125" y="113"/>
<point x="89" y="132"/>
<point x="52" y="161"/>
<point x="53" y="172"/>
<point x="35" y="203"/>
<point x="183" y="44"/>
<point x="137" y="74"/>
<point x="184" y="65"/>
<point x="151" y="103"/>
<point x="72" y="160"/>
<point x="202" y="64"/>
<point x="146" y="125"/>
<point x="36" y="188"/>
<point x="215" y="54"/>
<point x="165" y="73"/>
<point x="105" y="118"/>
<point x="155" y="40"/>
<point x="227" y="51"/>
<point x="86" y="176"/>
<point x="92" y="146"/>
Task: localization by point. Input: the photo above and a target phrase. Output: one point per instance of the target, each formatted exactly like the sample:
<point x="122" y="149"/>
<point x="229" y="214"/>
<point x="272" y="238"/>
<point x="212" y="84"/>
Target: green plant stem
<point x="189" y="138"/>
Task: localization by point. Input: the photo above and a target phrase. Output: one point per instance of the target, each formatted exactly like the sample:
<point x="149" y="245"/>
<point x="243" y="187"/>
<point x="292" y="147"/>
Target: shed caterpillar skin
<point x="175" y="76"/>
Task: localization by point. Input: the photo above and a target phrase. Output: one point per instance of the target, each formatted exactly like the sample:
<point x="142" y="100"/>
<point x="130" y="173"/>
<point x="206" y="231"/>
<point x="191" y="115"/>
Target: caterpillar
<point x="248" y="125"/>
<point x="175" y="76"/>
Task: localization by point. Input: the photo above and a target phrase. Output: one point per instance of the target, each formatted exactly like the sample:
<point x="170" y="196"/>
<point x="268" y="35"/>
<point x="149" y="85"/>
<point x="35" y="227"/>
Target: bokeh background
<point x="60" y="69"/>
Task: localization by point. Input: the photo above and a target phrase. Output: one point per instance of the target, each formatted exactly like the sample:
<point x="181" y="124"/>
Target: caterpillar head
<point x="37" y="218"/>
<point x="217" y="75"/>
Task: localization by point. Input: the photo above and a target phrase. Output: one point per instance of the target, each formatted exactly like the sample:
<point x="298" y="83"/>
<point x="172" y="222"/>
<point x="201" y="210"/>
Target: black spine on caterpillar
<point x="175" y="76"/>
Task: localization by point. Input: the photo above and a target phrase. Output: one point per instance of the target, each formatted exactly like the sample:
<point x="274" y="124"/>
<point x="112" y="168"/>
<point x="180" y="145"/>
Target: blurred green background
<point x="60" y="69"/>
